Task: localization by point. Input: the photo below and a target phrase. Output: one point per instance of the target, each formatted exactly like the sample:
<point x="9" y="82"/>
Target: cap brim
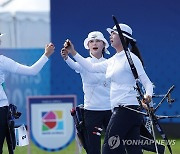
<point x="86" y="43"/>
<point x="110" y="30"/>
<point x="88" y="39"/>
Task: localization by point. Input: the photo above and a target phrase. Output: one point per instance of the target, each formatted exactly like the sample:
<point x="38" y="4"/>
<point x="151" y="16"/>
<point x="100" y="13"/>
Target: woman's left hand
<point x="147" y="99"/>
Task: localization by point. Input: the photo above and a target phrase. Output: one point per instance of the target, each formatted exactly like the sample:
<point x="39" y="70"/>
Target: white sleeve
<point x="34" y="69"/>
<point x="91" y="67"/>
<point x="147" y="84"/>
<point x="74" y="65"/>
<point x="8" y="64"/>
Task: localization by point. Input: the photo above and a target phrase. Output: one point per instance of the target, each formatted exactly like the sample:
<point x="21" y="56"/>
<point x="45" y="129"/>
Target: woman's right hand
<point x="64" y="53"/>
<point x="49" y="50"/>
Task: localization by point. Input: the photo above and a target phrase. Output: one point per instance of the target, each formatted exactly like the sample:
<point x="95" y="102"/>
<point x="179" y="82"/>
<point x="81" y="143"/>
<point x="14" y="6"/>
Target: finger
<point x="63" y="49"/>
<point x="148" y="99"/>
<point x="66" y="40"/>
<point x="143" y="101"/>
<point x="50" y="44"/>
<point x="67" y="43"/>
<point x="63" y="52"/>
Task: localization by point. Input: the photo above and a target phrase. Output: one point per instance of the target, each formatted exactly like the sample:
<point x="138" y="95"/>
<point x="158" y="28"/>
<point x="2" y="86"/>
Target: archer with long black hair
<point x="124" y="126"/>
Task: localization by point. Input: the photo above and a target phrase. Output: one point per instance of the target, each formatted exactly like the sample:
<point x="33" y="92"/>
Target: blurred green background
<point x="71" y="149"/>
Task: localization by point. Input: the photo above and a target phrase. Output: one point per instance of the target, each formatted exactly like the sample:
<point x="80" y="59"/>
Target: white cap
<point x="126" y="31"/>
<point x="96" y="35"/>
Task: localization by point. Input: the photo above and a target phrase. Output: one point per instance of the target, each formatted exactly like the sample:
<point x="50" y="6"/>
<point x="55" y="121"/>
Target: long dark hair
<point x="134" y="49"/>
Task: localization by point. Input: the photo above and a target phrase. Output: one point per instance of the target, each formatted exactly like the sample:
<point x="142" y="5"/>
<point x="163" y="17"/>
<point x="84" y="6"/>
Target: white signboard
<point x="50" y="122"/>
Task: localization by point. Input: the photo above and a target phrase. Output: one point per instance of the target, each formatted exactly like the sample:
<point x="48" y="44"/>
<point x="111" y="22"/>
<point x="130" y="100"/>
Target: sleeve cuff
<point x="45" y="57"/>
<point x="76" y="56"/>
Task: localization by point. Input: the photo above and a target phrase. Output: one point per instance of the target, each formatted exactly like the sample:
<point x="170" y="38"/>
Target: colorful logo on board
<point x="52" y="122"/>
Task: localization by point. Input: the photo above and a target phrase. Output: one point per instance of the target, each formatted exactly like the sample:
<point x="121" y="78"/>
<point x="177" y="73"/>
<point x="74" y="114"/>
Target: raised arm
<point x="37" y="66"/>
<point x="95" y="68"/>
<point x="72" y="64"/>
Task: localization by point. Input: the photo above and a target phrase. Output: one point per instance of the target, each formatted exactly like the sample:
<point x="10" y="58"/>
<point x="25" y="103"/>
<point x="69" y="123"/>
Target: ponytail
<point x="134" y="49"/>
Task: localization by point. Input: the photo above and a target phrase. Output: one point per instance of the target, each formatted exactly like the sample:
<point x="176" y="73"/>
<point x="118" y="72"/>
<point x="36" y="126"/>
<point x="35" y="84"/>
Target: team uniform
<point x="9" y="65"/>
<point x="97" y="107"/>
